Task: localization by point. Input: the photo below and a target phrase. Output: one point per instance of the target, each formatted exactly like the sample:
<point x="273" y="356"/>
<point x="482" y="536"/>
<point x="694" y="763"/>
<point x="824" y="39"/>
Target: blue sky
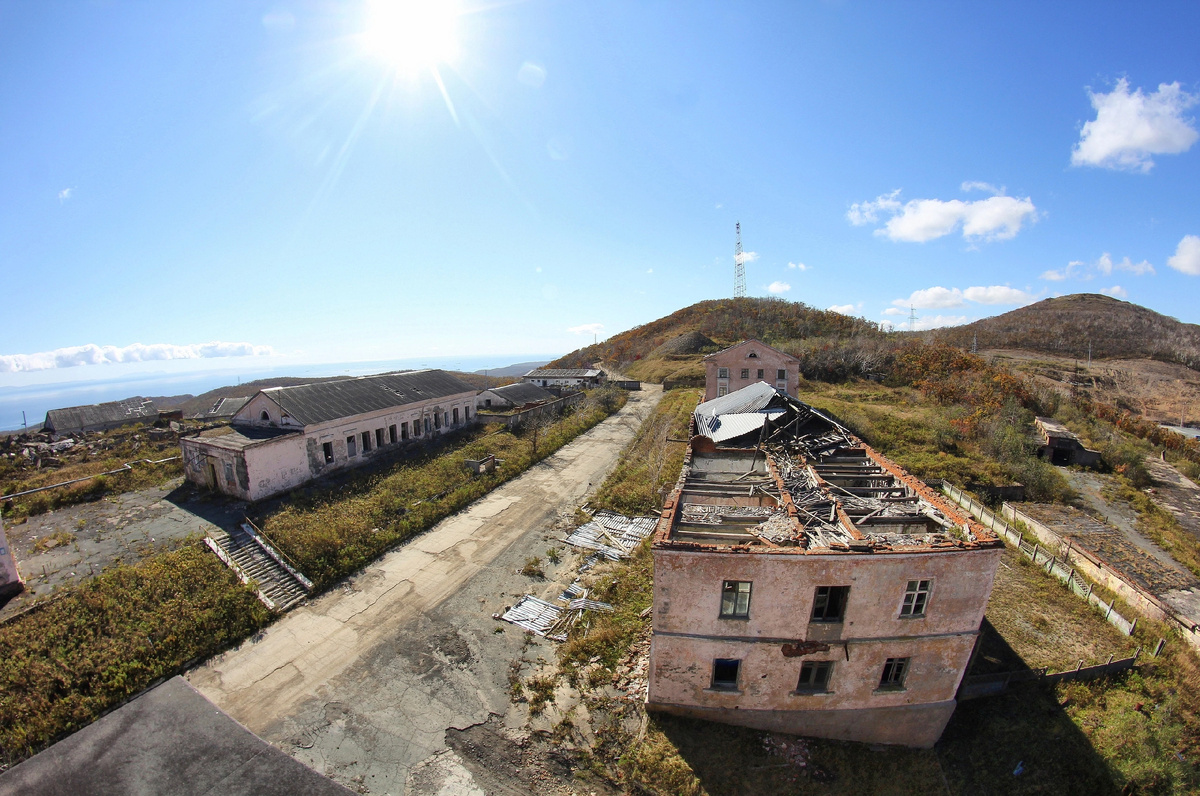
<point x="284" y="180"/>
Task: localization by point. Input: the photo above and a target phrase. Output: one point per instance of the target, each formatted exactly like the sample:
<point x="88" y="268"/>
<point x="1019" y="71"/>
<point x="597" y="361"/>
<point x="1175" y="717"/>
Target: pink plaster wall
<point x="769" y="360"/>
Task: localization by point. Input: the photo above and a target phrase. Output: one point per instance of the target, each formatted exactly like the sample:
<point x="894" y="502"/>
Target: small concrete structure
<point x="1061" y="447"/>
<point x="170" y="740"/>
<point x="513" y="396"/>
<point x="10" y="577"/>
<point x="746" y="363"/>
<point x="285" y="436"/>
<point x="579" y="378"/>
<point x="100" y="417"/>
<point x="812" y="588"/>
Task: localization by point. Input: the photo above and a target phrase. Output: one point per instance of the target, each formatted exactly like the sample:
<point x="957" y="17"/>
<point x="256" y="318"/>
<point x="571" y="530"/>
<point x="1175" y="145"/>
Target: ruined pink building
<point x="747" y="363"/>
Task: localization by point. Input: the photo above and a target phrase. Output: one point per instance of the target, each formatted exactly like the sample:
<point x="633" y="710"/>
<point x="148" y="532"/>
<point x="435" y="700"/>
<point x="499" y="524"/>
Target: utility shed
<point x="100" y="417"/>
<point x="1060" y="446"/>
<point x="517" y="395"/>
<point x="807" y="584"/>
<point x="285" y="436"/>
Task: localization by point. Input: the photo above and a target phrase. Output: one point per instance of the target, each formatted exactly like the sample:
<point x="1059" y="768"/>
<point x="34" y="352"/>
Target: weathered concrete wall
<point x="689" y="635"/>
<point x="205" y="466"/>
<point x="517" y="418"/>
<point x="10" y="578"/>
<point x="276" y="466"/>
<point x="918" y="726"/>
<point x="737" y="358"/>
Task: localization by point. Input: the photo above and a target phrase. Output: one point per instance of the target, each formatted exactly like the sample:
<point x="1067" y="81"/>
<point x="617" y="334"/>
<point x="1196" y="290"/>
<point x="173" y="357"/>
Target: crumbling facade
<point x="285" y="436"/>
<point x="10" y="578"/>
<point x="805" y="583"/>
<point x="747" y="363"/>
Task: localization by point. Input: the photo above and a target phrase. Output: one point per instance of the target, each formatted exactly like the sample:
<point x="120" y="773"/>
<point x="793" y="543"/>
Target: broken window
<point x="327" y="449"/>
<point x="760" y="374"/>
<point x="745" y="373"/>
<point x="487" y="401"/>
<point x="725" y="674"/>
<point x="427" y="425"/>
<point x="229" y="472"/>
<point x="722" y="373"/>
<point x="735" y="599"/>
<point x="466" y="413"/>
<point x="894" y="671"/>
<point x="437" y="419"/>
<point x="915" y="598"/>
<point x="445" y="418"/>
<point x="404" y="431"/>
<point x="392" y="434"/>
<point x="752" y="355"/>
<point x="829" y="605"/>
<point x="265" y="416"/>
<point x="379" y="438"/>
<point x="456" y="415"/>
<point x="366" y="441"/>
<point x="814" y="676"/>
<point x="351" y="446"/>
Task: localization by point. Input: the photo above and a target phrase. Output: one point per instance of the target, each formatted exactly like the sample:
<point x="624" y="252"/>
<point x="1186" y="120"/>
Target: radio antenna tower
<point x="912" y="318"/>
<point x="739" y="267"/>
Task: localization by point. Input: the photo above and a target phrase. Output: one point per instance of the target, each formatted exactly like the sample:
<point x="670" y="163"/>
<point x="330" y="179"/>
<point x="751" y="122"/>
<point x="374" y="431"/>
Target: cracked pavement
<point x="363" y="682"/>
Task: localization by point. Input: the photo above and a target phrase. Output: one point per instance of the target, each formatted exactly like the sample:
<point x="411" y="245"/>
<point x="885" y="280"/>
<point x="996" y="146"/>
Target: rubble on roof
<point x="799" y="479"/>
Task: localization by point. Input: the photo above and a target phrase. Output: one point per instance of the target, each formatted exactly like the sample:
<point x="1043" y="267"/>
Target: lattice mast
<point x="739" y="265"/>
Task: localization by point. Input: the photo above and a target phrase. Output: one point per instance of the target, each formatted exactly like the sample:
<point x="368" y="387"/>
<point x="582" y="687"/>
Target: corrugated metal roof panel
<point x="331" y="400"/>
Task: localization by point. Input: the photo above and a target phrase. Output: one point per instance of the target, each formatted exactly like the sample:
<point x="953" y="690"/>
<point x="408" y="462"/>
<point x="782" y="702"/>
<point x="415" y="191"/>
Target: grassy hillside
<point x="1065" y="326"/>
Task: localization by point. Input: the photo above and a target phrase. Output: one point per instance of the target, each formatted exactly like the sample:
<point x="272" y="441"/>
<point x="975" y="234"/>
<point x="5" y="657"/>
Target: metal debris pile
<point x="612" y="535"/>
<point x="705" y="514"/>
<point x="546" y="618"/>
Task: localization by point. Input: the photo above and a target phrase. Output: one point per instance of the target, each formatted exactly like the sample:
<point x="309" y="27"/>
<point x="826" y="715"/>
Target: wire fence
<point x="1059" y="568"/>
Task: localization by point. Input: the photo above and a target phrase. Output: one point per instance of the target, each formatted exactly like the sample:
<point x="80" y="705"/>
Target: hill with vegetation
<point x="1066" y="326"/>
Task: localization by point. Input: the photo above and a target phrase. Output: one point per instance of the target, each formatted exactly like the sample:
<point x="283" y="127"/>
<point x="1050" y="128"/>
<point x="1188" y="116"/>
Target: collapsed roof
<point x="768" y="471"/>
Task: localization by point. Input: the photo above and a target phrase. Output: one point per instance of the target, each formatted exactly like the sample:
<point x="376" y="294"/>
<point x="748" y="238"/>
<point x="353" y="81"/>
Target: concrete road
<point x="364" y="682"/>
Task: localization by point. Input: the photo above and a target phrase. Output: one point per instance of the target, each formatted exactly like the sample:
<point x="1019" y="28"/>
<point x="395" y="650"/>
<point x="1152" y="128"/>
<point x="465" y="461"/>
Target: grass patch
<point x="651" y="464"/>
<point x="332" y="531"/>
<point x="103" y="641"/>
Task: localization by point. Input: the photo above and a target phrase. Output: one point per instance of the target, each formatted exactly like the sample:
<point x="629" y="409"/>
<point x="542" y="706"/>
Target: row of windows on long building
<point x="815" y="676"/>
<point x="397" y="433"/>
<point x="829" y="602"/>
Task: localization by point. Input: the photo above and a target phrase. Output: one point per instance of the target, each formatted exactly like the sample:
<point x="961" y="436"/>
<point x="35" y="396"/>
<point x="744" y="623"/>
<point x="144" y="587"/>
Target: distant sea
<point x="36" y="400"/>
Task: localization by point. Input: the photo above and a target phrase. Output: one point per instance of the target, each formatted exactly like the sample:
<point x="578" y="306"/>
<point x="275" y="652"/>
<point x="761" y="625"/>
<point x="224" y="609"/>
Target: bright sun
<point x="411" y="35"/>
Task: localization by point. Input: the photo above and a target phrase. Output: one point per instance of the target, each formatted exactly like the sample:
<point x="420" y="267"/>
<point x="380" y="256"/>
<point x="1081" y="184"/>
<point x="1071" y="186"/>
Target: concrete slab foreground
<point x="170" y="741"/>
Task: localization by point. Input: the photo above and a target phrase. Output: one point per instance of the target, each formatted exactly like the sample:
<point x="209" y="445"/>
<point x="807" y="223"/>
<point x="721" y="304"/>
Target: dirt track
<point x="364" y="683"/>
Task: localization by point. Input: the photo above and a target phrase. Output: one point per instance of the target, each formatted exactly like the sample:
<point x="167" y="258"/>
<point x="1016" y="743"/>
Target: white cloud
<point x="1078" y="269"/>
<point x="531" y="74"/>
<point x="893" y="311"/>
<point x="92" y="354"/>
<point x="587" y="328"/>
<point x="649" y="270"/>
<point x="747" y="257"/>
<point x="1116" y="291"/>
<point x="920" y="220"/>
<point x="868" y="212"/>
<point x="997" y="294"/>
<point x="939" y="297"/>
<point x="799" y="266"/>
<point x="932" y="298"/>
<point x="1187" y="256"/>
<point x="777" y="287"/>
<point x="65" y="194"/>
<point x="1129" y="128"/>
<point x="987" y="187"/>
<point x="938" y="321"/>
<point x="845" y="309"/>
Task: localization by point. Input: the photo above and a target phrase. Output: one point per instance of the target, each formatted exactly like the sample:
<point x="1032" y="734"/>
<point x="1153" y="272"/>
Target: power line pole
<point x="739" y="266"/>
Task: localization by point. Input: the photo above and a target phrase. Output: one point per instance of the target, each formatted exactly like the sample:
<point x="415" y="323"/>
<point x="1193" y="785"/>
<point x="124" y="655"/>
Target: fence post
<point x="1108" y="611"/>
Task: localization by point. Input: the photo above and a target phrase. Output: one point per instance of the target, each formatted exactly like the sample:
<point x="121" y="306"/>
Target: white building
<point x="285" y="436"/>
<point x="513" y="396"/>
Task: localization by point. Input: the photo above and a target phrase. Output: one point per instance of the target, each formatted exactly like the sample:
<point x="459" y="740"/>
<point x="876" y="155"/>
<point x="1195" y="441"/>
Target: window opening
<point x="916" y="595"/>
<point x="814" y="676"/>
<point x="725" y="674"/>
<point x="392" y="434"/>
<point x="722" y="373"/>
<point x="327" y="449"/>
<point x="735" y="599"/>
<point x="228" y="472"/>
<point x="781" y="374"/>
<point x="456" y="415"/>
<point x="351" y="446"/>
<point x="829" y="605"/>
<point x="265" y="416"/>
<point x="404" y="430"/>
<point x="379" y="438"/>
<point x="894" y="672"/>
<point x="745" y="373"/>
<point x="366" y="442"/>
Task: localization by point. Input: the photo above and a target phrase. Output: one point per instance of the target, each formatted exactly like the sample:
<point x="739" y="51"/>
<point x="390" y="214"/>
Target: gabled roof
<point x="309" y="404"/>
<point x="760" y="344"/>
<point x="106" y="415"/>
<point x="221" y="408"/>
<point x="564" y="373"/>
<point x="522" y="393"/>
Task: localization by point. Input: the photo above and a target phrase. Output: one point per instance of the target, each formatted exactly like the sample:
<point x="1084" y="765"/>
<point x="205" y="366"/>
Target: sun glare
<point x="412" y="35"/>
